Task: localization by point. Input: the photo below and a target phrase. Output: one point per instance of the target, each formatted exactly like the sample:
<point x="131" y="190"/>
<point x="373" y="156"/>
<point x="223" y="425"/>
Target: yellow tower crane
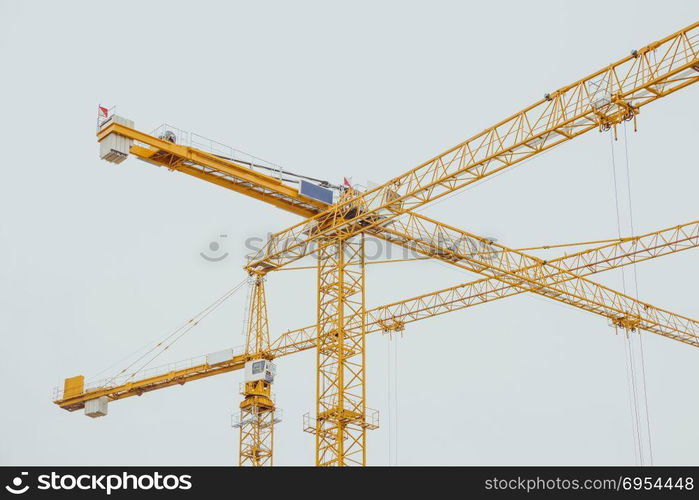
<point x="335" y="226"/>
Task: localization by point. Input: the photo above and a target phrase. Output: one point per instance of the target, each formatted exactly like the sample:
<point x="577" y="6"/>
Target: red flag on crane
<point x="104" y="112"/>
<point x="346" y="182"/>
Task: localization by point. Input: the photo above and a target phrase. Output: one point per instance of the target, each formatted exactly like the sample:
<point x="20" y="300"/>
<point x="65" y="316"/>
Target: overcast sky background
<point x="96" y="260"/>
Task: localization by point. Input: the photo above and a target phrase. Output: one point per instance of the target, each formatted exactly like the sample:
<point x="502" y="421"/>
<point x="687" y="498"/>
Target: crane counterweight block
<point x="115" y="147"/>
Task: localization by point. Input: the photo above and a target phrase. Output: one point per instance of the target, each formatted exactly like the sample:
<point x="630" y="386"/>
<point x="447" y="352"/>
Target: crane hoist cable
<point x="633" y="379"/>
<point x="392" y="393"/>
<point x="631" y="387"/>
<point x="389" y="375"/>
<point x="635" y="278"/>
<point x="395" y="405"/>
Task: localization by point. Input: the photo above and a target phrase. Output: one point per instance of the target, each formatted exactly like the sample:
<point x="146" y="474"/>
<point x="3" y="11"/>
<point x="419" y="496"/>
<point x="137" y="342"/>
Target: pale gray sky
<point x="99" y="259"/>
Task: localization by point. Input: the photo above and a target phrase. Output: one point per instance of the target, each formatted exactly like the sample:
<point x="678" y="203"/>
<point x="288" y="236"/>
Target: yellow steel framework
<point x="215" y="169"/>
<point x="600" y="100"/>
<point x="257" y="410"/>
<point x="396" y="315"/>
<point x="336" y="232"/>
<point x="341" y="423"/>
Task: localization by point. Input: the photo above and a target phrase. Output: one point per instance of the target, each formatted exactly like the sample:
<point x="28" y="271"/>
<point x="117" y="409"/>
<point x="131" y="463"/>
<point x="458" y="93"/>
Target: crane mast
<point x="258" y="413"/>
<point x="337" y="223"/>
<point x="341" y="414"/>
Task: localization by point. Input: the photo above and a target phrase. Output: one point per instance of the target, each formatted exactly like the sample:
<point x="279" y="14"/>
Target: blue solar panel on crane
<point x="316" y="192"/>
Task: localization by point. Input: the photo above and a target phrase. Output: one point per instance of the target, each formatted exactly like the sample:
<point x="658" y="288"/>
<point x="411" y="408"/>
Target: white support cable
<point x="636" y="382"/>
<point x="634" y="434"/>
<point x="633" y="407"/>
<point x="635" y="278"/>
<point x="389" y="373"/>
<point x="392" y="396"/>
<point x="178" y="333"/>
<point x="395" y="395"/>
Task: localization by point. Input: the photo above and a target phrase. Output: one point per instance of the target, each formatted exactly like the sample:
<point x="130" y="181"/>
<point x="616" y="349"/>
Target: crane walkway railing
<point x="145" y="373"/>
<point x="179" y="136"/>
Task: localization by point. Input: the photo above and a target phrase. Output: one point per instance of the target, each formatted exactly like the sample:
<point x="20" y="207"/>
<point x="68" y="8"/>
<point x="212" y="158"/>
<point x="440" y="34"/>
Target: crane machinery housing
<point x="338" y="218"/>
